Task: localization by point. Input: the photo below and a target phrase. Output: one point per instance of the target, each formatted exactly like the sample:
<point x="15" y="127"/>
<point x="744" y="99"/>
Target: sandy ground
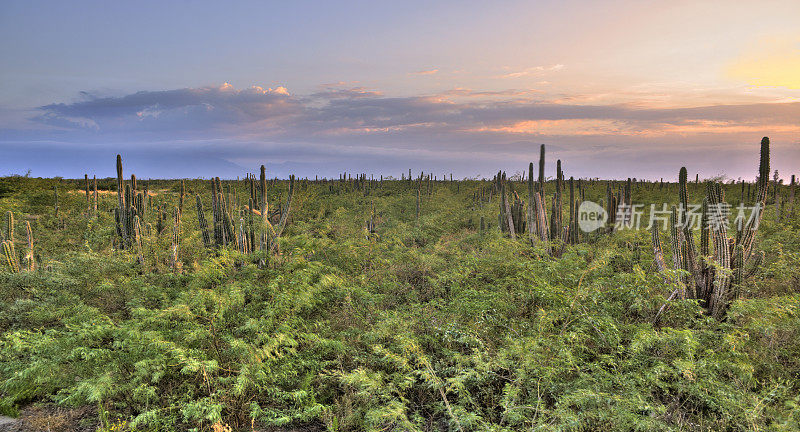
<point x="6" y="423"/>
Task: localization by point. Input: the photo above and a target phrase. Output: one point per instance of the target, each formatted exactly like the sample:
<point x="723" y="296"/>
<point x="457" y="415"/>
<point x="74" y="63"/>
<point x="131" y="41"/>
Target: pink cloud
<point x="426" y="72"/>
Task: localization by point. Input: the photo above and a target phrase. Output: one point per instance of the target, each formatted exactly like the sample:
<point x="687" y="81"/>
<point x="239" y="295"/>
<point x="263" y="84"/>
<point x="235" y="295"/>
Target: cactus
<point x="713" y="285"/>
<point x="180" y="199"/>
<point x="537" y="226"/>
<point x="215" y="219"/>
<point x="137" y="236"/>
<point x="241" y="237"/>
<point x="30" y="262"/>
<point x="266" y="226"/>
<point x="285" y="212"/>
<point x="55" y="202"/>
<point x="611" y="207"/>
<point x="94" y="206"/>
<point x="573" y="213"/>
<point x="419" y="198"/>
<point x="251" y="239"/>
<point x="531" y="205"/>
<point x="201" y="222"/>
<point x="506" y="217"/>
<point x="658" y="252"/>
<point x="88" y="200"/>
<point x="556" y="225"/>
<point x="10" y="256"/>
<point x="122" y="211"/>
<point x="9" y="227"/>
<point x="541" y="171"/>
<point x="176" y="238"/>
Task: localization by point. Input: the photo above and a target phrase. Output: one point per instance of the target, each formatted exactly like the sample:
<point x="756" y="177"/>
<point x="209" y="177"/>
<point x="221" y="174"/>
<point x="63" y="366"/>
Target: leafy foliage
<point x="426" y="324"/>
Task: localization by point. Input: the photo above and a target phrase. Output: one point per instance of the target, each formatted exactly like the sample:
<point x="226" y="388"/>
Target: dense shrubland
<point x="370" y="315"/>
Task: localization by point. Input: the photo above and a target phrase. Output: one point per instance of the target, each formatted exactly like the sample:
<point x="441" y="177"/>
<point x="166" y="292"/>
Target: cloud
<point x="346" y="93"/>
<point x="357" y="110"/>
<point x="339" y="126"/>
<point x="425" y="72"/>
<point x="188" y="109"/>
<point x="531" y="71"/>
<point x="465" y="92"/>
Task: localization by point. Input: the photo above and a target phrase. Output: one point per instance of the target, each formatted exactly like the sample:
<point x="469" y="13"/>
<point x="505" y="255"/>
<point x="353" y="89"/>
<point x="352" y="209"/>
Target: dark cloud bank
<point x="223" y="131"/>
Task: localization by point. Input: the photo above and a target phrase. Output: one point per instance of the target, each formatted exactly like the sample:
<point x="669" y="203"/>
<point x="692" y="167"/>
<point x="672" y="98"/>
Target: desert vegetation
<point x="418" y="303"/>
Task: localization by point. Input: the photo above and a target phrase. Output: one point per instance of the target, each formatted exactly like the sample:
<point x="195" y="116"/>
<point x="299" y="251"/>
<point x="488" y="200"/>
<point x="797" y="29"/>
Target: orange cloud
<point x="577" y="127"/>
<point x="426" y="72"/>
<point x="603" y="127"/>
<point x="531" y="71"/>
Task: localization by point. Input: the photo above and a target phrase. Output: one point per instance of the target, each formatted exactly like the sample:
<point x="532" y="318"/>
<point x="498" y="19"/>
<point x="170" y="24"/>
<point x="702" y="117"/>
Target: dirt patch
<point x="53" y="419"/>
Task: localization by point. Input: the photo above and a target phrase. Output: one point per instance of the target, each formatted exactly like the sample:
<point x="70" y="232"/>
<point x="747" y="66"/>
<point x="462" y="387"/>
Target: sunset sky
<point x="613" y="88"/>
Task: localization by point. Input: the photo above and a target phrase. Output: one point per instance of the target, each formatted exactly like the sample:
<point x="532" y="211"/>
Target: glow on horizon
<point x="774" y="62"/>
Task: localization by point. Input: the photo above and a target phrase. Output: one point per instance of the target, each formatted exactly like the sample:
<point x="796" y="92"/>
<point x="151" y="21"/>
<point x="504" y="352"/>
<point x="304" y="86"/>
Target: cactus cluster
<point x="516" y="217"/>
<point x="176" y="236"/>
<point x="539" y="226"/>
<point x="9" y="252"/>
<point x="715" y="269"/>
<point x="222" y="220"/>
<point x="512" y="218"/>
<point x="124" y="212"/>
<point x="236" y="226"/>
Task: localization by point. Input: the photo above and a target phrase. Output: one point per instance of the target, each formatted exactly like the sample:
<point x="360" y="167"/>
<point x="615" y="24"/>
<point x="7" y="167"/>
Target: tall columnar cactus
<point x="266" y="225"/>
<point x="94" y="205"/>
<point x="137" y="237"/>
<point x="10" y="256"/>
<point x="531" y="202"/>
<point x="541" y="171"/>
<point x="506" y="216"/>
<point x="122" y="211"/>
<point x="733" y="257"/>
<point x="573" y="213"/>
<point x="285" y="213"/>
<point x="176" y="238"/>
<point x="223" y="215"/>
<point x="538" y="227"/>
<point x="55" y="202"/>
<point x="180" y="199"/>
<point x="9" y="226"/>
<point x="241" y="237"/>
<point x="556" y="223"/>
<point x="611" y="207"/>
<point x="88" y="199"/>
<point x="419" y="195"/>
<point x="215" y="223"/>
<point x="201" y="222"/>
<point x="251" y="221"/>
<point x="537" y="206"/>
<point x="30" y="262"/>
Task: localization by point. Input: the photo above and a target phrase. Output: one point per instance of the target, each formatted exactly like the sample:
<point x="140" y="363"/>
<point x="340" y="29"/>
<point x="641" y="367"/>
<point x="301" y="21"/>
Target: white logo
<point x="591" y="216"/>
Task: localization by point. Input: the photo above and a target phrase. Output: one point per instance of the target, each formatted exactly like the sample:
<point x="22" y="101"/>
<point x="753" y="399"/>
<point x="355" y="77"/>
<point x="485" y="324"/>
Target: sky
<point x="614" y="89"/>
